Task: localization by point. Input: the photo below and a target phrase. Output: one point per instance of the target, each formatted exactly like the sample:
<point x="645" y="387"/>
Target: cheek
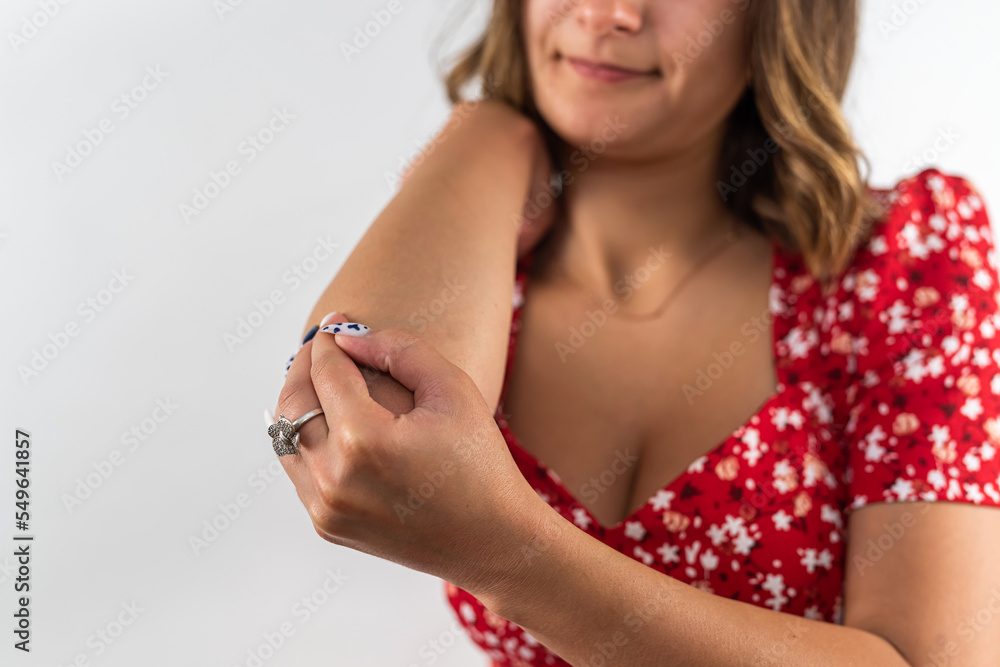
<point x="544" y="29"/>
<point x="538" y="22"/>
<point x="702" y="53"/>
<point x="701" y="40"/>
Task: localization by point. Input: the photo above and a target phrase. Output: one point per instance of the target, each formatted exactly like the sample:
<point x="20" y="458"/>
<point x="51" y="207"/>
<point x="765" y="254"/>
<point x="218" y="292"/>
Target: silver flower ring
<point x="285" y="434"/>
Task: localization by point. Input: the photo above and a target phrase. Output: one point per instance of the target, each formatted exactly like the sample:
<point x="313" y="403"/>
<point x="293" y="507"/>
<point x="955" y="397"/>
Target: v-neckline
<point x="774" y="310"/>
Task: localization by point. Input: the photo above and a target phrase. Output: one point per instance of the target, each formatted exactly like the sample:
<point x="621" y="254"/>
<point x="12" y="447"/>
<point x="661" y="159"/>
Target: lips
<point x="605" y="72"/>
<point x="594" y="65"/>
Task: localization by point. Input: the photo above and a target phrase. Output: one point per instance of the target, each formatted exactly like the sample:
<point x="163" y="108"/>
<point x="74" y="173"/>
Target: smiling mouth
<point x="604" y="72"/>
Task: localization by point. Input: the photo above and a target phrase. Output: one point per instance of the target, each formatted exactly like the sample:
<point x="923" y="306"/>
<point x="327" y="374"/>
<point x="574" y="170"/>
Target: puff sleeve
<point x="924" y="420"/>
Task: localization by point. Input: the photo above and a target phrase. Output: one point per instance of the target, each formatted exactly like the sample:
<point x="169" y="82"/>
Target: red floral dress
<point x="888" y="391"/>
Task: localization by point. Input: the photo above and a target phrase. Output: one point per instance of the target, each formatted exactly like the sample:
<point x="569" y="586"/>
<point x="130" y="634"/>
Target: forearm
<point x="439" y="259"/>
<point x="592" y="605"/>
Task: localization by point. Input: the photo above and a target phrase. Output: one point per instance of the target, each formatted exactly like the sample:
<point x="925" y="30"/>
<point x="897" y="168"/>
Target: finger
<point x="339" y="385"/>
<point x="298" y="397"/>
<point x="413" y="362"/>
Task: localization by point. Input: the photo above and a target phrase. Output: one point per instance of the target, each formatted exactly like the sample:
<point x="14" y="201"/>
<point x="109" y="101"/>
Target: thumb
<point x="413" y="362"/>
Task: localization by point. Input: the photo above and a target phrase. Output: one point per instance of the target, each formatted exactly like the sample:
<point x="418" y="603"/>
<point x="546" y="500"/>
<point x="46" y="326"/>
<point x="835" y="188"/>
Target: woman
<point x="714" y="296"/>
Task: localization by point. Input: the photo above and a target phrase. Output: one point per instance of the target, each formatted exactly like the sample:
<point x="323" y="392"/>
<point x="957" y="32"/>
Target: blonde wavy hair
<point x="809" y="193"/>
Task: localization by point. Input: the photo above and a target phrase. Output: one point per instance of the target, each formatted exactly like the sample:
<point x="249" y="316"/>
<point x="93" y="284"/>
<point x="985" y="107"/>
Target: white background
<point x="162" y="336"/>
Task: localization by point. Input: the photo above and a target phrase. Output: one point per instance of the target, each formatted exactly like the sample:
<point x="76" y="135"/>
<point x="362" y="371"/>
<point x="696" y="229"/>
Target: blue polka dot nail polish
<point x="308" y="337"/>
<point x="310" y="334"/>
<point x="346" y="328"/>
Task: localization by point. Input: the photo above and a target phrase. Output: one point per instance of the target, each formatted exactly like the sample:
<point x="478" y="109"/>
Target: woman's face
<point x="690" y="52"/>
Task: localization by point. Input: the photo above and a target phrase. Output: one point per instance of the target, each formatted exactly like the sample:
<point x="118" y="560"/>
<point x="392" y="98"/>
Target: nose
<point x="604" y="16"/>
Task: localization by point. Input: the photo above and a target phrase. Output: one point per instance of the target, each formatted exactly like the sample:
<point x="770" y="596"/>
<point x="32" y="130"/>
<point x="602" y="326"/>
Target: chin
<point x="582" y="121"/>
<point x="581" y="114"/>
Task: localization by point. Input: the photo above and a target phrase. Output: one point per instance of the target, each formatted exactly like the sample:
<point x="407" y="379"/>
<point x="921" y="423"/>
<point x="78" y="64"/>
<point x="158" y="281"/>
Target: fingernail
<point x="329" y="318"/>
<point x="310" y="334"/>
<point x="347" y="328"/>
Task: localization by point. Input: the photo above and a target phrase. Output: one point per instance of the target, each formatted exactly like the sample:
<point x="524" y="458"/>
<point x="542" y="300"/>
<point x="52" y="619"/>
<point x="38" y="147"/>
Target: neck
<point x="616" y="211"/>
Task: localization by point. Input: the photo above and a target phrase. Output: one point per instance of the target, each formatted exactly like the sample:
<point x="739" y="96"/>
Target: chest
<point x="619" y="409"/>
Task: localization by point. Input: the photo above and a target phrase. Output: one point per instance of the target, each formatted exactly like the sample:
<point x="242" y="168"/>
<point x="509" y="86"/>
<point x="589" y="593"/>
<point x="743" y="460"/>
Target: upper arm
<point x="923" y="467"/>
<point x="925" y="576"/>
<point x="439" y="260"/>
